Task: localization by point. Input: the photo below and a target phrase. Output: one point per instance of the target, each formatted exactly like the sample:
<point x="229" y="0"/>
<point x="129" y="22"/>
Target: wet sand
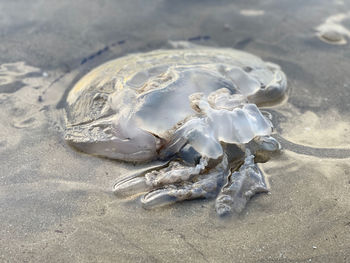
<point x="56" y="204"/>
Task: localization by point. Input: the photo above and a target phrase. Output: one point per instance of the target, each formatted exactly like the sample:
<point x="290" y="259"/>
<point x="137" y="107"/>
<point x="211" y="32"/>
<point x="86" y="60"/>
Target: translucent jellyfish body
<point x="195" y="110"/>
<point x="332" y="31"/>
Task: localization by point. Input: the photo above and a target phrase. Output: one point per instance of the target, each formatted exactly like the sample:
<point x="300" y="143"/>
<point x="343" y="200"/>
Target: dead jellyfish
<point x="332" y="31"/>
<point x="193" y="112"/>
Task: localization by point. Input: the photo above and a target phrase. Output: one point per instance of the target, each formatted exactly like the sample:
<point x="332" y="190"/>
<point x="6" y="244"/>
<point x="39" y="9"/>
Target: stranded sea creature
<point x="194" y="111"/>
<point x="332" y="31"/>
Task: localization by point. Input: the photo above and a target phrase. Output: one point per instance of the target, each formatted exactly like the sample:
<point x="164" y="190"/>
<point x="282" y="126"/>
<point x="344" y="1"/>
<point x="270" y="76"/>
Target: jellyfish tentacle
<point x="241" y="186"/>
<point x="206" y="186"/>
<point x="153" y="178"/>
<point x="201" y="189"/>
<point x="267" y="143"/>
<point x="136" y="182"/>
<point x="175" y="173"/>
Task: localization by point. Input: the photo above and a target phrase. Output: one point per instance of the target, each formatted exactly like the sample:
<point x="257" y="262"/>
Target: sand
<point x="56" y="204"/>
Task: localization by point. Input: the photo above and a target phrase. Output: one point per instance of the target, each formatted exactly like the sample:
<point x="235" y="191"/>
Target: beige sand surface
<point x="56" y="204"/>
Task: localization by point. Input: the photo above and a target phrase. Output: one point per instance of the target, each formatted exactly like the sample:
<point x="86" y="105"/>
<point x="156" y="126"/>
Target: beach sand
<point x="57" y="205"/>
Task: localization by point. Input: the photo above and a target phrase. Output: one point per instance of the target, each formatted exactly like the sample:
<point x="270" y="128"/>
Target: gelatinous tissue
<point x="193" y="111"/>
<point x="332" y="31"/>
